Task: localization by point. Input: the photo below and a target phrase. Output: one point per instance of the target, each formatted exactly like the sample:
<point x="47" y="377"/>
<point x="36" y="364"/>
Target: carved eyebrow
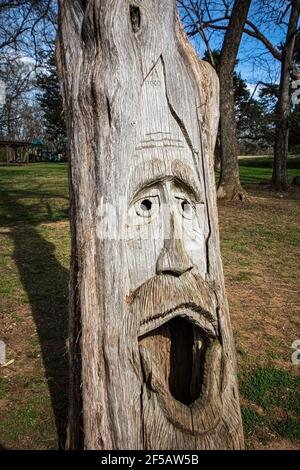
<point x="154" y="171"/>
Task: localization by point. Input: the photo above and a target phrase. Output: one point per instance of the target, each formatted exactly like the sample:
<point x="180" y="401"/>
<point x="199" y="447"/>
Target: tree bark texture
<point x="229" y="185"/>
<point x="152" y="358"/>
<point x="280" y="176"/>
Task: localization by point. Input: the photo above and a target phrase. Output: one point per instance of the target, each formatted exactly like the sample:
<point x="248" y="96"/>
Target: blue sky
<point x="255" y="62"/>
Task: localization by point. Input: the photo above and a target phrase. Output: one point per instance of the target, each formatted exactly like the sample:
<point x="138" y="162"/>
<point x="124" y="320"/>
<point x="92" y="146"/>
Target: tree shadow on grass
<point x="45" y="281"/>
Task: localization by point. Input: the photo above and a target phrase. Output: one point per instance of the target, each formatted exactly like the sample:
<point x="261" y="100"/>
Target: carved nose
<point x="173" y="258"/>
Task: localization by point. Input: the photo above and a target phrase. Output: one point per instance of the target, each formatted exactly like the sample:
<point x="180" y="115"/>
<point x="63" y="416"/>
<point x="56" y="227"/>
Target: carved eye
<point x="147" y="206"/>
<point x="186" y="208"/>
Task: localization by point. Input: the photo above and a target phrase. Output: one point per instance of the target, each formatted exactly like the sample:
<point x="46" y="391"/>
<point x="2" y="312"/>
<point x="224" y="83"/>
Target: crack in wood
<point x="135" y="17"/>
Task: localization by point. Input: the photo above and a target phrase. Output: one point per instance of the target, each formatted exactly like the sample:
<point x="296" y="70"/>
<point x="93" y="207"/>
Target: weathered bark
<point x="229" y="185"/>
<point x="280" y="176"/>
<point x="152" y="358"/>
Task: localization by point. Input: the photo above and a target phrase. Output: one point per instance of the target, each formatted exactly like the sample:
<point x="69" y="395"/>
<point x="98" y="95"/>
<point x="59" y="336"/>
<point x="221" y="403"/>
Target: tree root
<point x="232" y="193"/>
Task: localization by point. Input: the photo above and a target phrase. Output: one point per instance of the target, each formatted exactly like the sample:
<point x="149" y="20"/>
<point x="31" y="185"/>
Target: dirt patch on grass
<point x="276" y="444"/>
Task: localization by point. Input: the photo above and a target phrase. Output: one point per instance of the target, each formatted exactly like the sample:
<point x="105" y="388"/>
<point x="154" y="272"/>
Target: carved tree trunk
<point x="229" y="185"/>
<point x="280" y="176"/>
<point x="151" y="351"/>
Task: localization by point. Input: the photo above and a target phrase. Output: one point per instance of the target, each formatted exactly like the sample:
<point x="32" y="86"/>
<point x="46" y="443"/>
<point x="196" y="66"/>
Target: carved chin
<point x="181" y="360"/>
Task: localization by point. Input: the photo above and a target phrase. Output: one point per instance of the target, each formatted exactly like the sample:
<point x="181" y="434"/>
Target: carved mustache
<point x="164" y="297"/>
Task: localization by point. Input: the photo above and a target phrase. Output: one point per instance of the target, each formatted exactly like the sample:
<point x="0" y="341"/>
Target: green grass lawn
<point x="34" y="265"/>
<point x="258" y="170"/>
<point x="260" y="246"/>
<point x="33" y="194"/>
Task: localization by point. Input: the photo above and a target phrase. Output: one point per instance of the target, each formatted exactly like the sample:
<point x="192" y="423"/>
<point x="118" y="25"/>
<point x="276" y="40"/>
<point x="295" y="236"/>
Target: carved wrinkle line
<point x="207" y="241"/>
<point x="157" y="133"/>
<point x="175" y="115"/>
<point x="165" y="139"/>
<point x="159" y="146"/>
<point x="191" y="306"/>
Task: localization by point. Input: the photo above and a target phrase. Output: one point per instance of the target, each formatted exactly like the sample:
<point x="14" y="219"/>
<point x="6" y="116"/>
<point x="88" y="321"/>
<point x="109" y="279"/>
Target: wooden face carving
<point x="174" y="325"/>
<point x="151" y="350"/>
<point x="166" y="219"/>
<point x="171" y="304"/>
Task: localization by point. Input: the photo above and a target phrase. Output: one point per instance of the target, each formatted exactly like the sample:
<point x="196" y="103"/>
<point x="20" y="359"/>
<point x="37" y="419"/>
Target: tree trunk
<point x="217" y="153"/>
<point x="229" y="185"/>
<point x="280" y="176"/>
<point x="152" y="359"/>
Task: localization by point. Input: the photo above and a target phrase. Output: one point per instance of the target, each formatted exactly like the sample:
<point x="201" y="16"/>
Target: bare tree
<point x="152" y="360"/>
<point x="199" y="20"/>
<point x="280" y="176"/>
<point x="229" y="185"/>
<point x="199" y="16"/>
<point x="18" y="77"/>
<point x="26" y="26"/>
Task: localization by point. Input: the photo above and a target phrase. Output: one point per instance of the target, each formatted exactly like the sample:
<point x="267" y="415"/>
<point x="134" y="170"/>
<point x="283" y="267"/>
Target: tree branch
<point x="256" y="33"/>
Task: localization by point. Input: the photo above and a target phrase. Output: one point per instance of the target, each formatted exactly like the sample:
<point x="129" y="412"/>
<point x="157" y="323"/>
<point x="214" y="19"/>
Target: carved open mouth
<point x="181" y="362"/>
